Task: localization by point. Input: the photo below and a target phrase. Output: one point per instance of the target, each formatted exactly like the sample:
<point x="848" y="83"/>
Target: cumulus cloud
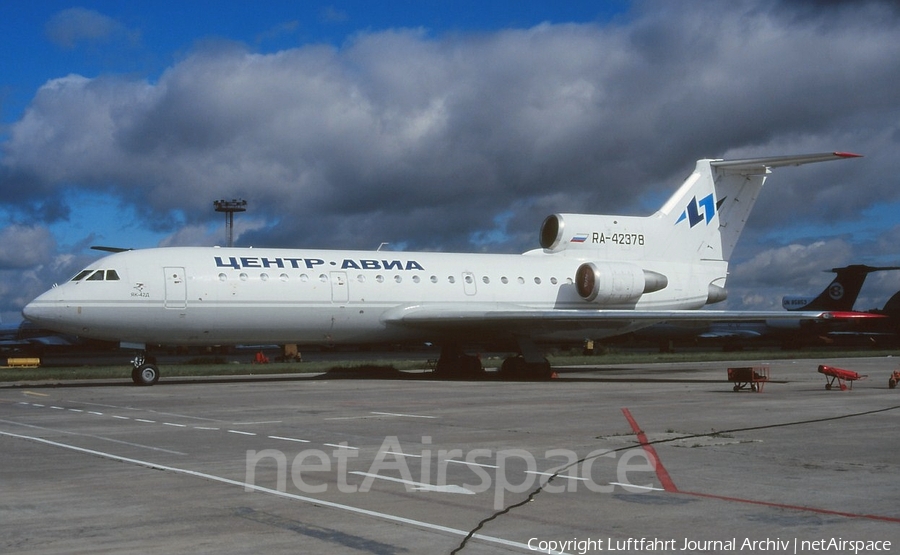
<point x="795" y="269"/>
<point x="428" y="141"/>
<point x="29" y="264"/>
<point x="24" y="246"/>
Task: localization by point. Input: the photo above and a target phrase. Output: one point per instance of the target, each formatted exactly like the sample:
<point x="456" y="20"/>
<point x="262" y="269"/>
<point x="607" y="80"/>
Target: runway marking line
<point x="289" y="439"/>
<point x="101" y="438"/>
<point x="472" y="463"/>
<point x="536" y="472"/>
<point x="374" y="414"/>
<point x="402" y="415"/>
<point x="147" y="421"/>
<point x="445" y="460"/>
<point x="417" y="486"/>
<point x="566" y="476"/>
<point x="670" y="487"/>
<point x="253" y="487"/>
<point x="649" y="488"/>
<point x="208" y="428"/>
<point x="339" y="446"/>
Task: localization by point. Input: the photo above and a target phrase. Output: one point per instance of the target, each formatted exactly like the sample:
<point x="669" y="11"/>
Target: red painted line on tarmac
<point x="669" y="485"/>
<point x="661" y="473"/>
<point x="793" y="507"/>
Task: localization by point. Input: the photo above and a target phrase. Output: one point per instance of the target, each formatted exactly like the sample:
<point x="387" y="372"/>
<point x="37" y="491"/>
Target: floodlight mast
<point x="229" y="207"/>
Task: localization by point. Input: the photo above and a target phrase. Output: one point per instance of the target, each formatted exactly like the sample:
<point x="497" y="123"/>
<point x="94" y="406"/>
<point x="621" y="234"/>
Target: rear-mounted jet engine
<point x="609" y="283"/>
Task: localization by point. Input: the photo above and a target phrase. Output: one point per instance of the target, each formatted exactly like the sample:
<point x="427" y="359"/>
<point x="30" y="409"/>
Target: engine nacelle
<point x="552" y="232"/>
<point x="609" y="283"/>
<point x="560" y="232"/>
<point x="564" y="232"/>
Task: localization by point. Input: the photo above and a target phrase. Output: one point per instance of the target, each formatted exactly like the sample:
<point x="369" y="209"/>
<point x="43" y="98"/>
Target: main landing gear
<point x="144" y="370"/>
<point x="456" y="364"/>
<point x="517" y="368"/>
<point x="529" y="365"/>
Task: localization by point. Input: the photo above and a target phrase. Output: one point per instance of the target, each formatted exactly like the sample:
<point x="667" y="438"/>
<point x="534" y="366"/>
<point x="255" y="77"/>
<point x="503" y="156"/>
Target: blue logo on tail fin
<point x="693" y="214"/>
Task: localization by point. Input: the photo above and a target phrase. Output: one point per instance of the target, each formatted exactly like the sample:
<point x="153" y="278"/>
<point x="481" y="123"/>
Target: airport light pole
<point x="229" y="207"/>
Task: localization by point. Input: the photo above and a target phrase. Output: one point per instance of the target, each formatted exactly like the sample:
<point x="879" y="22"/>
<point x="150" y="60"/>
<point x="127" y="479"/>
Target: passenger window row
<point x="112" y="275"/>
<point x="380" y="278"/>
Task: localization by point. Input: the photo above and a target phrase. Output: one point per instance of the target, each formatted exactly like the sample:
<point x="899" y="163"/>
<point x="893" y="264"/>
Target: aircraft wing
<point x="517" y="319"/>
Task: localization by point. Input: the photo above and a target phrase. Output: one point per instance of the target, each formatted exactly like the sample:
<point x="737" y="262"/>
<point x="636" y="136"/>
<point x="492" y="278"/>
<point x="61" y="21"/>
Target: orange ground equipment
<point x="894" y="379"/>
<point x="754" y="377"/>
<point x="840" y="376"/>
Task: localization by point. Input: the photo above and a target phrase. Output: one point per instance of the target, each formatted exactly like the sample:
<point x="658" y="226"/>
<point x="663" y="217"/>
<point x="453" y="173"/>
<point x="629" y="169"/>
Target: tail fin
<point x="700" y="222"/>
<point x="841" y="293"/>
<point x="705" y="217"/>
<point x="892" y="307"/>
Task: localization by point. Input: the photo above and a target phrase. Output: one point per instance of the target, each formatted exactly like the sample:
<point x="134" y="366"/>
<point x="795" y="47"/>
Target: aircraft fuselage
<point x="207" y="296"/>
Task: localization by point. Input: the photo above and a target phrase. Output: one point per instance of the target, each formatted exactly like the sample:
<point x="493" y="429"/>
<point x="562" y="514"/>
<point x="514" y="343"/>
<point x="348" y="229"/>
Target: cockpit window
<point x="97" y="275"/>
<point x="81" y="275"/>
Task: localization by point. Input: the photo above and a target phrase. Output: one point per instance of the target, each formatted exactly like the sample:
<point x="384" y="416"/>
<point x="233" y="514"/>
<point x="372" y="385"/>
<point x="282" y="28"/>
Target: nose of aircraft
<point x="43" y="310"/>
<point x="58" y="310"/>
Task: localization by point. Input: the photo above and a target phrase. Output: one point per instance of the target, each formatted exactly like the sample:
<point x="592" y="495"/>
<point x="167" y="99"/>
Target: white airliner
<point x="594" y="276"/>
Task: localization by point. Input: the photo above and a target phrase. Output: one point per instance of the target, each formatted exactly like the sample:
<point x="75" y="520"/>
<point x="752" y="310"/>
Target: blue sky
<point x="52" y="38"/>
<point x="441" y="126"/>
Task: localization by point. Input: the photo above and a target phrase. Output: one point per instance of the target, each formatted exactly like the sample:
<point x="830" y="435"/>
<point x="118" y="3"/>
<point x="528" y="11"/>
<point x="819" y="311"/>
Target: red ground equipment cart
<point x="840" y="376"/>
<point x="894" y="379"/>
<point x="754" y="377"/>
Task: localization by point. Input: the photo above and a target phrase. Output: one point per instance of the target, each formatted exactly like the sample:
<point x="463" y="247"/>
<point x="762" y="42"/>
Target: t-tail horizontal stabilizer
<point x="704" y="218"/>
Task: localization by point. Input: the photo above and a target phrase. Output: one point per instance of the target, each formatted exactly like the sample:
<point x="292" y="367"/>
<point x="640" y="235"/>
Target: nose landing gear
<point x="144" y="370"/>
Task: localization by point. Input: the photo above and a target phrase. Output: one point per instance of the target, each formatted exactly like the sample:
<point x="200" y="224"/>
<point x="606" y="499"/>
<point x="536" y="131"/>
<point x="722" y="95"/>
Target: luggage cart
<point x="841" y="376"/>
<point x="754" y="377"/>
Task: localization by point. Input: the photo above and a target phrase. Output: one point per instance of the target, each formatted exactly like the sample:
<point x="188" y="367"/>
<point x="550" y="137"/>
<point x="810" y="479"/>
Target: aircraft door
<point x="469" y="283"/>
<point x="176" y="288"/>
<point x="340" y="288"/>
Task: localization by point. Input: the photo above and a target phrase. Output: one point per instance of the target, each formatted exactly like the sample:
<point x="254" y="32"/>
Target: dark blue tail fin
<point x="841" y="293"/>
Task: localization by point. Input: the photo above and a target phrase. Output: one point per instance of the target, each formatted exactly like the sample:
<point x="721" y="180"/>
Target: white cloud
<point x="23" y="246"/>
